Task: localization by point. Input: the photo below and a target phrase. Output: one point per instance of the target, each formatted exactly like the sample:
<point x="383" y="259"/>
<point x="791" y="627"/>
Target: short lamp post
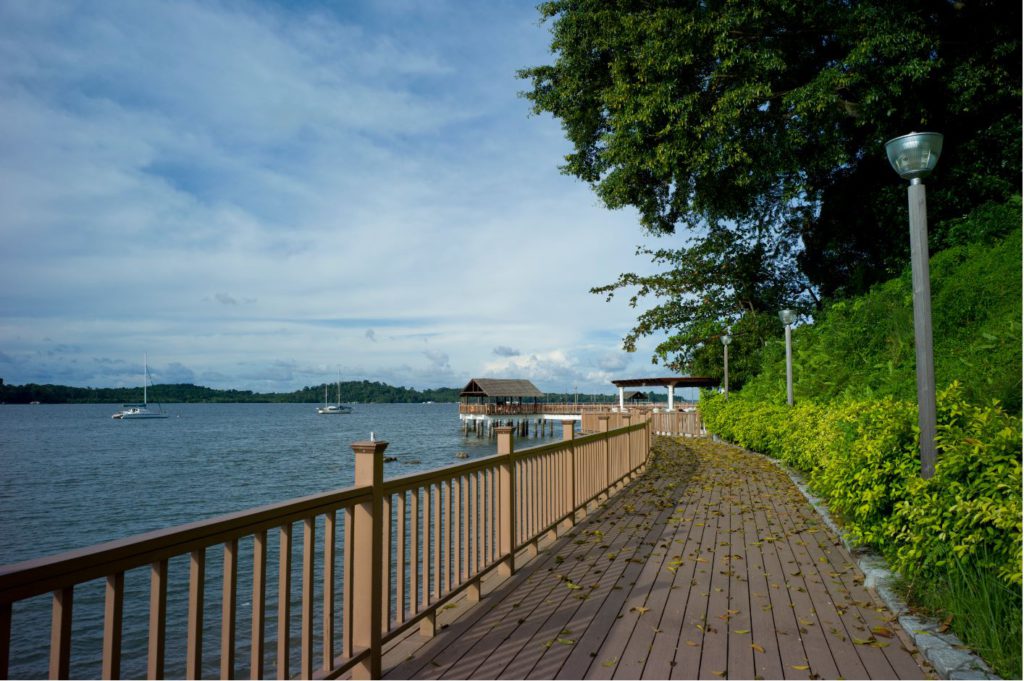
<point x="788" y="317"/>
<point x="726" y="339"/>
<point x="913" y="157"/>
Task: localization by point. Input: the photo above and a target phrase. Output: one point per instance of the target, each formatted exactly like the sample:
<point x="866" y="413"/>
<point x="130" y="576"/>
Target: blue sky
<point x="260" y="195"/>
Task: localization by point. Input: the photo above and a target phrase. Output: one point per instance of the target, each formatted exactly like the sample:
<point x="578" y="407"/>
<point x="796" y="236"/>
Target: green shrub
<point x="971" y="508"/>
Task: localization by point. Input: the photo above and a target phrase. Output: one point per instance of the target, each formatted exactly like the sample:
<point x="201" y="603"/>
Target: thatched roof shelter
<point x="500" y="388"/>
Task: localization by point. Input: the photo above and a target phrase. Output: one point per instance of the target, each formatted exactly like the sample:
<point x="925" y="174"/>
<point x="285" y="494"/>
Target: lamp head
<point x="787" y="316"/>
<point x="914" y="156"/>
<point x="726" y="339"/>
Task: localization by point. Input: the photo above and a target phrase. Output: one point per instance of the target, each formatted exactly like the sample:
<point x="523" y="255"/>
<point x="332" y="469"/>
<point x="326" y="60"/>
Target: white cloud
<point x="212" y="183"/>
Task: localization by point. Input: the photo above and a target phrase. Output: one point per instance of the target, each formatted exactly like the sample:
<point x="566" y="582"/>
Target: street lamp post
<point x="788" y="317"/>
<point x="913" y="157"/>
<point x="726" y="339"/>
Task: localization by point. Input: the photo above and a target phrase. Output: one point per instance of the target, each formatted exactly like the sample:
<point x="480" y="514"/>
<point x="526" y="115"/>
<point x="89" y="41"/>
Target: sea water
<point x="70" y="476"/>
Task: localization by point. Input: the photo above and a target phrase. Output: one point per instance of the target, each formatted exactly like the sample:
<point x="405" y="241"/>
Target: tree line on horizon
<point x="351" y="391"/>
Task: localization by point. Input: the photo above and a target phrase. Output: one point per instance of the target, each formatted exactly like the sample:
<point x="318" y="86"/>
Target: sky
<point x="270" y="195"/>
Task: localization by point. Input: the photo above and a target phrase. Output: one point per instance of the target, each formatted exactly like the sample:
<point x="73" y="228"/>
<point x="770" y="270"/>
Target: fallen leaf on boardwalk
<point x="801" y="667"/>
<point x="610" y="663"/>
<point x="718" y="673"/>
<point x="944" y="627"/>
<point x="572" y="586"/>
<point x="639" y="609"/>
<point x="566" y="641"/>
<point x="863" y="641"/>
<point x="758" y="647"/>
<point x="882" y="631"/>
<point x="692" y="644"/>
<point x="741" y="631"/>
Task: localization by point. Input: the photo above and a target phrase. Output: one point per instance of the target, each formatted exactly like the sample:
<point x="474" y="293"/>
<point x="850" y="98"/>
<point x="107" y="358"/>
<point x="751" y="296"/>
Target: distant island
<point x="351" y="391"/>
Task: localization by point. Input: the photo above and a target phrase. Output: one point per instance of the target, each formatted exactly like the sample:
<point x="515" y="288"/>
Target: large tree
<point x="757" y="129"/>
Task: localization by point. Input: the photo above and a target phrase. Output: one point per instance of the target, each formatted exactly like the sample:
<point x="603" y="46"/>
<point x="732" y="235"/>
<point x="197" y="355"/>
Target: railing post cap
<point x="370" y="446"/>
<point x="603" y="418"/>
<point x="502" y="429"/>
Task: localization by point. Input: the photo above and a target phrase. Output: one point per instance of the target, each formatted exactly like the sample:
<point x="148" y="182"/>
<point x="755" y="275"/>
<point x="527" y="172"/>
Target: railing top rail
<point x="40" y="575"/>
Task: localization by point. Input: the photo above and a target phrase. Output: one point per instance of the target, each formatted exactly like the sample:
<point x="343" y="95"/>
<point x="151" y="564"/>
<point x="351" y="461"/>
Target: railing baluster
<point x="346" y="586"/>
<point x="113" y="614"/>
<point x="196" y="584"/>
<point x="5" y="640"/>
<point x="259" y="605"/>
<point x="157" y="619"/>
<point x="385" y="563"/>
<point x="330" y="519"/>
<point x="60" y="633"/>
<point x="446" y="532"/>
<point x="436" y="531"/>
<point x="425" y="549"/>
<point x="228" y="610"/>
<point x="414" y="531"/>
<point x="457" y="526"/>
<point x="308" y="562"/>
<point x="474" y="525"/>
<point x="284" y="598"/>
<point x="400" y="559"/>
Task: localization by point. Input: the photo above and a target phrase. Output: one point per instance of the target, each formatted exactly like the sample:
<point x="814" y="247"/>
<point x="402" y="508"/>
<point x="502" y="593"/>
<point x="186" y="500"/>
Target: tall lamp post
<point x="913" y="157"/>
<point x="726" y="339"/>
<point x="787" y="317"/>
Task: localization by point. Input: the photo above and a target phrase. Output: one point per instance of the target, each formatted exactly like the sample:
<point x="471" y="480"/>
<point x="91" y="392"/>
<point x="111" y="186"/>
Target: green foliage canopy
<point x="759" y="128"/>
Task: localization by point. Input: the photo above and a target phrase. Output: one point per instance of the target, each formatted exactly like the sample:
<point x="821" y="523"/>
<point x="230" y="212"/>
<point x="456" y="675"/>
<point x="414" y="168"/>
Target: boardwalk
<point x="712" y="565"/>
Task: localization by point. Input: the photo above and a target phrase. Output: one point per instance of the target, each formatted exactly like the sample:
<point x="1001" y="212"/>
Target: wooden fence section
<point x="391" y="553"/>
<point x="684" y="423"/>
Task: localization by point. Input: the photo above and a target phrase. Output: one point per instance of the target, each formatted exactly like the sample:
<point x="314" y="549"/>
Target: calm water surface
<point x="71" y="476"/>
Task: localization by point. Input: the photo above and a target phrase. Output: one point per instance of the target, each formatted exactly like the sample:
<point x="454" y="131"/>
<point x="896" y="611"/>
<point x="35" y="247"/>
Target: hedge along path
<point x="711" y="565"/>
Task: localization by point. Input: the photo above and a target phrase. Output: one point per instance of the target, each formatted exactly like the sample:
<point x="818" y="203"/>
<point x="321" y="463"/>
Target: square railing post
<point x="507" y="502"/>
<point x="367" y="548"/>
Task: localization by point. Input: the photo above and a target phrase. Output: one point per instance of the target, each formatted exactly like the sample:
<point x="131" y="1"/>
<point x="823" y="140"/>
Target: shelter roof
<point x="500" y="387"/>
<point x="677" y="381"/>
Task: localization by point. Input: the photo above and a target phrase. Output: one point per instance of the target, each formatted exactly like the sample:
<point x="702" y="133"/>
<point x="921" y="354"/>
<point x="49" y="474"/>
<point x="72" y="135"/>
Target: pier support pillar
<point x="367" y="546"/>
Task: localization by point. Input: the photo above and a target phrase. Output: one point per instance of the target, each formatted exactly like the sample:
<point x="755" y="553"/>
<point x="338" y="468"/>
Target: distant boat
<point x="141" y="411"/>
<point x="337" y="408"/>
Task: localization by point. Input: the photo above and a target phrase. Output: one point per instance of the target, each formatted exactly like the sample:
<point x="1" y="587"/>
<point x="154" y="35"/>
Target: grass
<point x="980" y="608"/>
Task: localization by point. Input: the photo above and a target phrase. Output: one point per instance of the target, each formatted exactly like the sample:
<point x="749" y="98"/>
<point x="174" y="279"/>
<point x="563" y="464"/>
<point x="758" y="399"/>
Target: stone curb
<point x="943" y="650"/>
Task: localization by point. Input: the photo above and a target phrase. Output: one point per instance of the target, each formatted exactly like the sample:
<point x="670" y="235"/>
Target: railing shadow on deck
<point x="377" y="559"/>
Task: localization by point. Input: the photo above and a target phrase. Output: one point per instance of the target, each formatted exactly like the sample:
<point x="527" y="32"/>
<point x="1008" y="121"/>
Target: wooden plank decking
<point x="712" y="565"/>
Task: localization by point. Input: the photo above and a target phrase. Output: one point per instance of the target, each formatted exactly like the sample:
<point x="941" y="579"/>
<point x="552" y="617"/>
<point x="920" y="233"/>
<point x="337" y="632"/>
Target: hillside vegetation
<point x="955" y="538"/>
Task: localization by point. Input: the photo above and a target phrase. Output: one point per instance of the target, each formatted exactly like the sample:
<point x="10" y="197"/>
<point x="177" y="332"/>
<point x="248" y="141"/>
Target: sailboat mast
<point x="145" y="377"/>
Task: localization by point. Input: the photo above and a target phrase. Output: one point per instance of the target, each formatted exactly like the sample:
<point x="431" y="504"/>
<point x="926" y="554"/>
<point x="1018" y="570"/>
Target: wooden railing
<point x="395" y="550"/>
<point x="676" y="423"/>
<point x="528" y="409"/>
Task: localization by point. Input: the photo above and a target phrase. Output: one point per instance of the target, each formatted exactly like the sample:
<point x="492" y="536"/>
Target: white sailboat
<point x="140" y="411"/>
<point x="337" y="408"/>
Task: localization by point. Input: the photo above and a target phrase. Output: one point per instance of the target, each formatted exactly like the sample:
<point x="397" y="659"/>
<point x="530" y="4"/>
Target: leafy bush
<point x="971" y="508"/>
<point x="863" y="458"/>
